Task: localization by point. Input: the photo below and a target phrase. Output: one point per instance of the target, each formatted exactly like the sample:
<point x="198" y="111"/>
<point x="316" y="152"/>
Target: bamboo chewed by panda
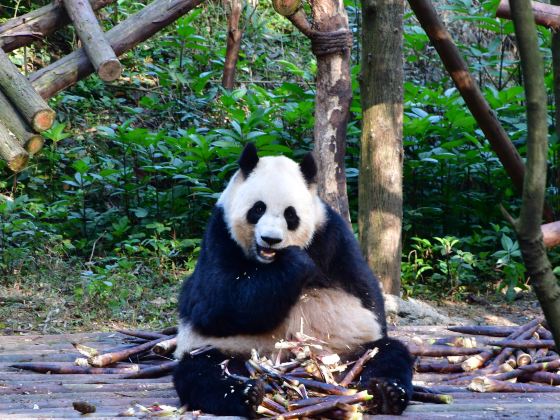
<point x="275" y="259"/>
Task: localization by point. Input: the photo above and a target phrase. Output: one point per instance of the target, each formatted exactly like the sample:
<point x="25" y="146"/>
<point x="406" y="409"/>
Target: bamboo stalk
<point x="109" y="358"/>
<point x="358" y="366"/>
<point x="442" y="351"/>
<point x="147" y="335"/>
<point x="11" y="150"/>
<point x="321" y="386"/>
<point x="97" y="47"/>
<point x="542" y="377"/>
<point x="523" y="344"/>
<point x="439" y="367"/>
<point x="156" y="371"/>
<point x="428" y="397"/>
<point x="165" y="347"/>
<point x="327" y="405"/>
<point x="482" y="384"/>
<point x="70" y="369"/>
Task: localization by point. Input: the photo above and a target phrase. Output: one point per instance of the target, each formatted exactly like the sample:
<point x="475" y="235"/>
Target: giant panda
<point x="274" y="260"/>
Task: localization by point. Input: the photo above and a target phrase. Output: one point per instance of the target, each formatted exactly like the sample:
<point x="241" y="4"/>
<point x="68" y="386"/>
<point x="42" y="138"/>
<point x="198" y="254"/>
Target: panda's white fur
<point x="279" y="183"/>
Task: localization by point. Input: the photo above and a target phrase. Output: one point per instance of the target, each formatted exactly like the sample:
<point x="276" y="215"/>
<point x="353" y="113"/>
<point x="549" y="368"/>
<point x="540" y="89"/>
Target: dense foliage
<point x="113" y="209"/>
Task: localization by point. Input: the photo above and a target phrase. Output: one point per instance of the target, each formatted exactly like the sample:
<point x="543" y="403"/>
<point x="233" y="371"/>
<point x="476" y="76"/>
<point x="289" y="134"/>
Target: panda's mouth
<point x="265" y="254"/>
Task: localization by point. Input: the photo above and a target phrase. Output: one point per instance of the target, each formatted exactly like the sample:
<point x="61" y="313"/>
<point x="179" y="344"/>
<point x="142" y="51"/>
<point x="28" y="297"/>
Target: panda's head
<point x="271" y="203"/>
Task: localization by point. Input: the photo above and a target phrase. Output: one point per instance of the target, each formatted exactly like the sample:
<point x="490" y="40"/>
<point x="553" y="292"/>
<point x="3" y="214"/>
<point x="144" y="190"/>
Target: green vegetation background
<point x="106" y="221"/>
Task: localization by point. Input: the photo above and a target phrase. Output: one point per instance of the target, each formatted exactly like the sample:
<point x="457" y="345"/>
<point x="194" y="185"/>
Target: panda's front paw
<point x="253" y="395"/>
<point x="389" y="396"/>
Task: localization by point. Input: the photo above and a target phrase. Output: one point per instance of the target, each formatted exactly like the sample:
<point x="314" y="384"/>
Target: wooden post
<point x="97" y="48"/>
<point x="36" y="25"/>
<point x="11" y="151"/>
<point x="15" y="85"/>
<point x="32" y="142"/>
<point x="123" y="37"/>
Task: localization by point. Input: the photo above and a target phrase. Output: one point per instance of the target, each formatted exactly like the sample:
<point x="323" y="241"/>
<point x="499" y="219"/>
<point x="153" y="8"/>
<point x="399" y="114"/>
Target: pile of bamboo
<point x="493" y="359"/>
<point x="300" y="380"/>
<point x="24" y="114"/>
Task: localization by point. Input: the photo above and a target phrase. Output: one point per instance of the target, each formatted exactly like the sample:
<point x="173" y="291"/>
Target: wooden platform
<point x="30" y="395"/>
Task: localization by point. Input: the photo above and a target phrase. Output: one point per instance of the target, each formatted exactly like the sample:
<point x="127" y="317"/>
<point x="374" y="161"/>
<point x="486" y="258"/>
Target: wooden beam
<point x="123" y="37"/>
<point x="32" y="142"/>
<point x="16" y="87"/>
<point x="11" y="151"/>
<point x="545" y="14"/>
<point x="26" y="29"/>
<point x="97" y="47"/>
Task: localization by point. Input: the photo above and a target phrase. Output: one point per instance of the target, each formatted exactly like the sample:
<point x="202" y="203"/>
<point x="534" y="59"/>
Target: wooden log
<point x="123" y="37"/>
<point x="30" y="104"/>
<point x="32" y="142"/>
<point x="70" y="369"/>
<point x="26" y="29"/>
<point x="108" y="358"/>
<point x="97" y="47"/>
<point x="11" y="151"/>
<point x="545" y="14"/>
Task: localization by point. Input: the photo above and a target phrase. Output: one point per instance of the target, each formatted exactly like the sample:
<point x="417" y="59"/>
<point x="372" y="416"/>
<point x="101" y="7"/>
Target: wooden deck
<point x="29" y="395"/>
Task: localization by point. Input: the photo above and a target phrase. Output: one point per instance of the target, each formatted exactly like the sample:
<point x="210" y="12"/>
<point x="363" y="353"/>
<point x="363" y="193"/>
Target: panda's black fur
<point x="231" y="294"/>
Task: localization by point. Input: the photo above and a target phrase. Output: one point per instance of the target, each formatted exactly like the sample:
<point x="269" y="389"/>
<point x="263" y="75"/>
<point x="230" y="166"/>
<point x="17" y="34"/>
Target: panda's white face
<point x="271" y="207"/>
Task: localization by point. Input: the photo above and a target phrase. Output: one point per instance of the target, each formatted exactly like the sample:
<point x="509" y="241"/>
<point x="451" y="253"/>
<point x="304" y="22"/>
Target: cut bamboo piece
<point x="11" y="151"/>
<point x="32" y="142"/>
<point x="97" y="47"/>
<point x="16" y="86"/>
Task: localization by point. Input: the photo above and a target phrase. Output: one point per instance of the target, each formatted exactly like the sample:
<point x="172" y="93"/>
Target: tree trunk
<point x="97" y="48"/>
<point x="233" y="43"/>
<point x="332" y="101"/>
<point x="381" y="159"/>
<point x="26" y="29"/>
<point x="16" y="86"/>
<point x="528" y="227"/>
<point x="123" y="37"/>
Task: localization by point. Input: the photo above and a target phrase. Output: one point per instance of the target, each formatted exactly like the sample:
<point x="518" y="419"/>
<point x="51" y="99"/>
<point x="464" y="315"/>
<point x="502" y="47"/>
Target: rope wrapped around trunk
<point x="323" y="43"/>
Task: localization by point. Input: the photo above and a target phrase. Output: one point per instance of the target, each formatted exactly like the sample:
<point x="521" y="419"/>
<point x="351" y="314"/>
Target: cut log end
<point x="34" y="144"/>
<point x="110" y="70"/>
<point x="43" y="119"/>
<point x="19" y="161"/>
<point x="480" y="384"/>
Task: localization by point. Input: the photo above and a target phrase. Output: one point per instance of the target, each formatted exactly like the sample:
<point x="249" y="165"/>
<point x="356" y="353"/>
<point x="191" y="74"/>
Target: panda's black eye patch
<point x="292" y="219"/>
<point x="256" y="212"/>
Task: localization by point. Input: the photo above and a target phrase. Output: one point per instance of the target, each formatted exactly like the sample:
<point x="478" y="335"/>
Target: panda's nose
<point x="271" y="241"/>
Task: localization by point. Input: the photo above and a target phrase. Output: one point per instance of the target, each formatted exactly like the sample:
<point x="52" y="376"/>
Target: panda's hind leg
<point x="202" y="384"/>
<point x="388" y="376"/>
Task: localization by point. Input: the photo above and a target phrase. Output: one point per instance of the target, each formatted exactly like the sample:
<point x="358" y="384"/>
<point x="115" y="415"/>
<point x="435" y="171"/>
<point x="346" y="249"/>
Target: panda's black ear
<point x="248" y="159"/>
<point x="309" y="168"/>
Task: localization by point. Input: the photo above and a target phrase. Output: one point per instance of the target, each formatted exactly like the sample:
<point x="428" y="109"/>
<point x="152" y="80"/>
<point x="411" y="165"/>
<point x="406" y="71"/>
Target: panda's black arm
<point x="229" y="294"/>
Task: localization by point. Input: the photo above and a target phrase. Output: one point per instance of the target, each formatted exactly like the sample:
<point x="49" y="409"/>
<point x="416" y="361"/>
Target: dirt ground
<point x="491" y="310"/>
